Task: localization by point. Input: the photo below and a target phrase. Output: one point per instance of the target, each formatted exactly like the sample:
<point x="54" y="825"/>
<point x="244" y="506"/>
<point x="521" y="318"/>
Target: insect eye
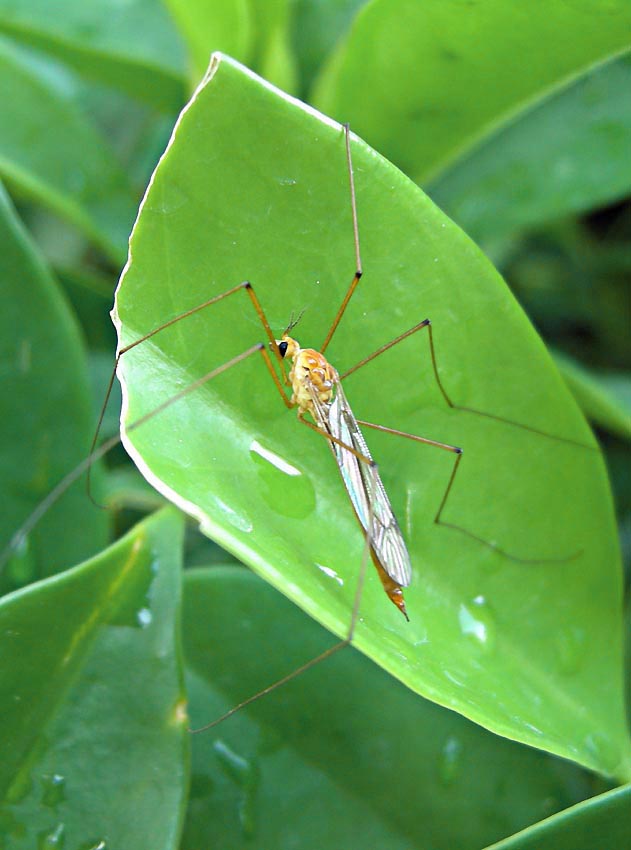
<point x="282" y="347"/>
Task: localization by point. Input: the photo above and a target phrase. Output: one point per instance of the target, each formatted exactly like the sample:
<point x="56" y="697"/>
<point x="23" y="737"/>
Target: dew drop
<point x="455" y="680"/>
<point x="238" y="768"/>
<point x="239" y="520"/>
<point x="477" y="622"/>
<point x="53" y="789"/>
<point x="450" y="761"/>
<point x="144" y="618"/>
<point x="180" y="713"/>
<point x="134" y="607"/>
<point x="331" y="574"/>
<point x="602" y="750"/>
<point x="285" y="487"/>
<point x="51" y="838"/>
<point x="245" y="774"/>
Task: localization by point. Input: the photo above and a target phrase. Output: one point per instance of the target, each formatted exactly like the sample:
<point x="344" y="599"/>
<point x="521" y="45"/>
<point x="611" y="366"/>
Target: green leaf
<point x="273" y="55"/>
<point x="95" y="742"/>
<point x="343" y="732"/>
<point x="50" y="151"/>
<point x="568" y="154"/>
<point x="253" y="32"/>
<point x="317" y="27"/>
<point x="101" y="39"/>
<point x="618" y="385"/>
<point x="597" y="399"/>
<point x="423" y="82"/>
<point x="600" y="822"/>
<point x="221" y="25"/>
<point x="47" y="420"/>
<point x="255" y="186"/>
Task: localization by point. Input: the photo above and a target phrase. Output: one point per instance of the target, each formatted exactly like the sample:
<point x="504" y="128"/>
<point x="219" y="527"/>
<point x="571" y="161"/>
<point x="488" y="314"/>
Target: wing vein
<point x="364" y="485"/>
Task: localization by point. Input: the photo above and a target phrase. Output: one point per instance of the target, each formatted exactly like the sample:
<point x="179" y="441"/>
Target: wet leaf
<point x="255" y="186"/>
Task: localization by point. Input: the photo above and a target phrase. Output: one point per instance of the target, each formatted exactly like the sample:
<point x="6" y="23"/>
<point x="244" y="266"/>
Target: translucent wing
<point x="365" y="488"/>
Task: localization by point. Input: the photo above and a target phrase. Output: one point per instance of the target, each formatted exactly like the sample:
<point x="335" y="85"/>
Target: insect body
<point x="317" y="390"/>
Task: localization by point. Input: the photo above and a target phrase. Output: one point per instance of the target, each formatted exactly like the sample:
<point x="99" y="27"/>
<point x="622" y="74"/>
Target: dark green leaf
<point x="423" y="82"/>
<point x="568" y="154"/>
<point x="94" y="724"/>
<point x="47" y="417"/>
<point x="132" y="46"/>
<point x="600" y="822"/>
<point x="597" y="399"/>
<point x="317" y="27"/>
<point x="51" y="152"/>
<point x="344" y="738"/>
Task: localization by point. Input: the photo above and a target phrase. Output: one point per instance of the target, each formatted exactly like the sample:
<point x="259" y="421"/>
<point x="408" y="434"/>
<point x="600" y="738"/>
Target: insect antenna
<point x="294" y="320"/>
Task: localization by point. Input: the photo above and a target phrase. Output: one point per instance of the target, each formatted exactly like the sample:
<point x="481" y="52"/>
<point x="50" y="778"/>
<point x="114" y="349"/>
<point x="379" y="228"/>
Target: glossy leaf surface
<point x="95" y="741"/>
<point x="255" y="186"/>
<point x="424" y="81"/>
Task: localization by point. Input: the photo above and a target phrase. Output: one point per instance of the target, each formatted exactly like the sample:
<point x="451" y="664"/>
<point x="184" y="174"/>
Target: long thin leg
<point x="207" y="377"/>
<point x="247" y="286"/>
<point x="268" y="690"/>
<point x="358" y="260"/>
<point x="333" y="439"/>
<point x="332" y="650"/>
<point x="356" y="601"/>
<point x="426" y="323"/>
<point x="55" y="494"/>
<point x="443" y="502"/>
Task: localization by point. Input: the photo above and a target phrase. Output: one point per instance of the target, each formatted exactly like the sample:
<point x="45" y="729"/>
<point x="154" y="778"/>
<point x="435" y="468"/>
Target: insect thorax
<point x="311" y="371"/>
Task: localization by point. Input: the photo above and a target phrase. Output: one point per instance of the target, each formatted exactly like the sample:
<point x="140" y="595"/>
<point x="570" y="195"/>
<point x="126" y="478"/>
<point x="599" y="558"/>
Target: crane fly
<point x="317" y="392"/>
<point x="315" y="388"/>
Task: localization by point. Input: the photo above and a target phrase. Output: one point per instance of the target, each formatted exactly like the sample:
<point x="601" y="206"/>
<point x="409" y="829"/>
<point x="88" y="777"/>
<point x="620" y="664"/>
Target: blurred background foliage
<point x="528" y="151"/>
